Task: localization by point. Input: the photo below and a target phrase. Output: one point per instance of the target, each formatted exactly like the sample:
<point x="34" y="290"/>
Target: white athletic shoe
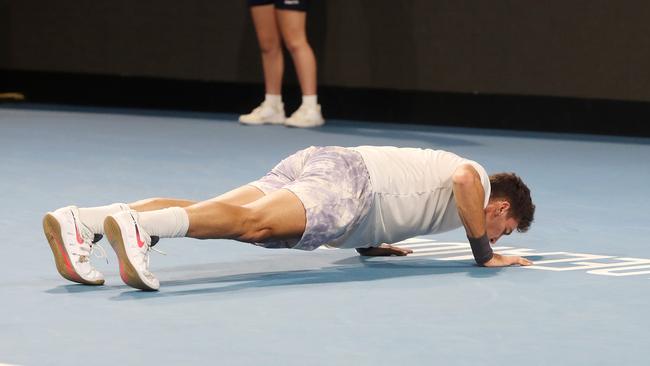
<point x="72" y="244"/>
<point x="132" y="245"/>
<point x="266" y="113"/>
<point x="306" y="116"/>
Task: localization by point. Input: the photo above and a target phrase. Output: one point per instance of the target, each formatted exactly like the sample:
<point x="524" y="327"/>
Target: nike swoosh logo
<point x="80" y="240"/>
<point x="137" y="235"/>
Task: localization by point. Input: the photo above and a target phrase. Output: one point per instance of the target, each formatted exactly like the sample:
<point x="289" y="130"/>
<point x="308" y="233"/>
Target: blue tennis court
<point x="584" y="302"/>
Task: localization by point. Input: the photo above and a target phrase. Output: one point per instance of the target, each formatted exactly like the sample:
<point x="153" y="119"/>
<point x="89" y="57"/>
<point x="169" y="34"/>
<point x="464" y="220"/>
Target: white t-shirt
<point x="412" y="194"/>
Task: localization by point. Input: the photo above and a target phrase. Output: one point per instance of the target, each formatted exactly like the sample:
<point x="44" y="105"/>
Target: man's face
<point x="497" y="221"/>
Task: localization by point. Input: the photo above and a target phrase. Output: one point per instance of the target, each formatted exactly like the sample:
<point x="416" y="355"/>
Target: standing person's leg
<point x="268" y="38"/>
<point x="293" y="25"/>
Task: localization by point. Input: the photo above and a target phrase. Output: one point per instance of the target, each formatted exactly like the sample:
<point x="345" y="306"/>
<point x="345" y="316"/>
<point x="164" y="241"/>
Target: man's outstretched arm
<point x="387" y="250"/>
<point x="470" y="195"/>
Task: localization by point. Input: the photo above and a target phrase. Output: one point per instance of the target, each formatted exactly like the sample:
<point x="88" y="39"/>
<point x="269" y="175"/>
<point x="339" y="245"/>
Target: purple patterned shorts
<point x="334" y="186"/>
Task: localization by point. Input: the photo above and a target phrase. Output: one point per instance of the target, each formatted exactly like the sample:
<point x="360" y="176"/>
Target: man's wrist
<point x="481" y="249"/>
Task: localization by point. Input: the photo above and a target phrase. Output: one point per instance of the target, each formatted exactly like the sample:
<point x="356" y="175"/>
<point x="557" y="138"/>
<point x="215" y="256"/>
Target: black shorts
<point x="300" y="5"/>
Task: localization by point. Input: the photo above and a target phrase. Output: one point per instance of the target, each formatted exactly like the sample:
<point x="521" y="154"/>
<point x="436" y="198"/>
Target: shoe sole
<point x="297" y="125"/>
<point x="52" y="230"/>
<point x="128" y="273"/>
<point x="261" y="123"/>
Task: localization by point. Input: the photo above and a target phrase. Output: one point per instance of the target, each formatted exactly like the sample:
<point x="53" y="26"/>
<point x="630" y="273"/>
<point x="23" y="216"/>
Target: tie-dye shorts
<point x="334" y="186"/>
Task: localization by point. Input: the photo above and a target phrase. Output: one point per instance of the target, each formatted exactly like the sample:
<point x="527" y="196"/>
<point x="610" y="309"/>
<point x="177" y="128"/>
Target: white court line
<point x="439" y="252"/>
<point x="576" y="261"/>
<point x="610" y="271"/>
<point x="572" y="259"/>
<point x="440" y="249"/>
<point x="457" y="258"/>
<point x="462" y="257"/>
<point x="580" y="265"/>
<point x="437" y="245"/>
<point x="415" y="240"/>
<point x="576" y="257"/>
<point x="428" y="245"/>
<point x="432" y="253"/>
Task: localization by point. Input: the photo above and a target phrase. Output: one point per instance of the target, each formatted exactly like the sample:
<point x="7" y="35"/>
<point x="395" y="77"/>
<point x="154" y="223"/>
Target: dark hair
<point x="510" y="187"/>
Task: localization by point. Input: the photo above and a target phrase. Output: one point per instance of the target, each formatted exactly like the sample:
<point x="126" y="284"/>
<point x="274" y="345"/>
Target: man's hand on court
<point x="384" y="250"/>
<point x="506" y="260"/>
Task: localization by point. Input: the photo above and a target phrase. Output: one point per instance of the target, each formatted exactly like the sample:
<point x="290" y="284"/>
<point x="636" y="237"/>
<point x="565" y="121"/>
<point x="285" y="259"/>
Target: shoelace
<point x="90" y="247"/>
<point x="145" y="259"/>
<point x="95" y="250"/>
<point x="145" y="255"/>
<point x="145" y="262"/>
<point x="83" y="257"/>
<point x="98" y="248"/>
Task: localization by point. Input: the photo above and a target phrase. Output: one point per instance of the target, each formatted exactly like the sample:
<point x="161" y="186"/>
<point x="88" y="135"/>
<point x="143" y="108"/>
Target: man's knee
<point x="256" y="227"/>
<point x="279" y="215"/>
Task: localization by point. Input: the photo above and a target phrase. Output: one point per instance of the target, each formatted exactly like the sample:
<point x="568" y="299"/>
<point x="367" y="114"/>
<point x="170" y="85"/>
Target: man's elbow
<point x="464" y="176"/>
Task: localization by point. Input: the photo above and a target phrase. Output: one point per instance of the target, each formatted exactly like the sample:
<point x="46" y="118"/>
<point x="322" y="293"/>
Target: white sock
<point x="310" y="100"/>
<point x="93" y="217"/>
<point x="171" y="222"/>
<point x="273" y="99"/>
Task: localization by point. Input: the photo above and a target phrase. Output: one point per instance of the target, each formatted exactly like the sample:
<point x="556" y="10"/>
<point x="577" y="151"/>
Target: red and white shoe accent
<point x="72" y="245"/>
<point x="132" y="245"/>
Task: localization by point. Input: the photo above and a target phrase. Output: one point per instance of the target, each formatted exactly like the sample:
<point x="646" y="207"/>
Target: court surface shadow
<point x="217" y="278"/>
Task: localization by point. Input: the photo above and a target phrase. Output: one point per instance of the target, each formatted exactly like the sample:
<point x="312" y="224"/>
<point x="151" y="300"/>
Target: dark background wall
<point x="567" y="48"/>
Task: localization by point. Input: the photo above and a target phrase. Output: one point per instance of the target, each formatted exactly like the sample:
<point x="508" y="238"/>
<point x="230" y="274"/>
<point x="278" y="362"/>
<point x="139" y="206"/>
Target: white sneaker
<point x="266" y="113"/>
<point x="132" y="245"/>
<point x="306" y="116"/>
<point x="72" y="244"/>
